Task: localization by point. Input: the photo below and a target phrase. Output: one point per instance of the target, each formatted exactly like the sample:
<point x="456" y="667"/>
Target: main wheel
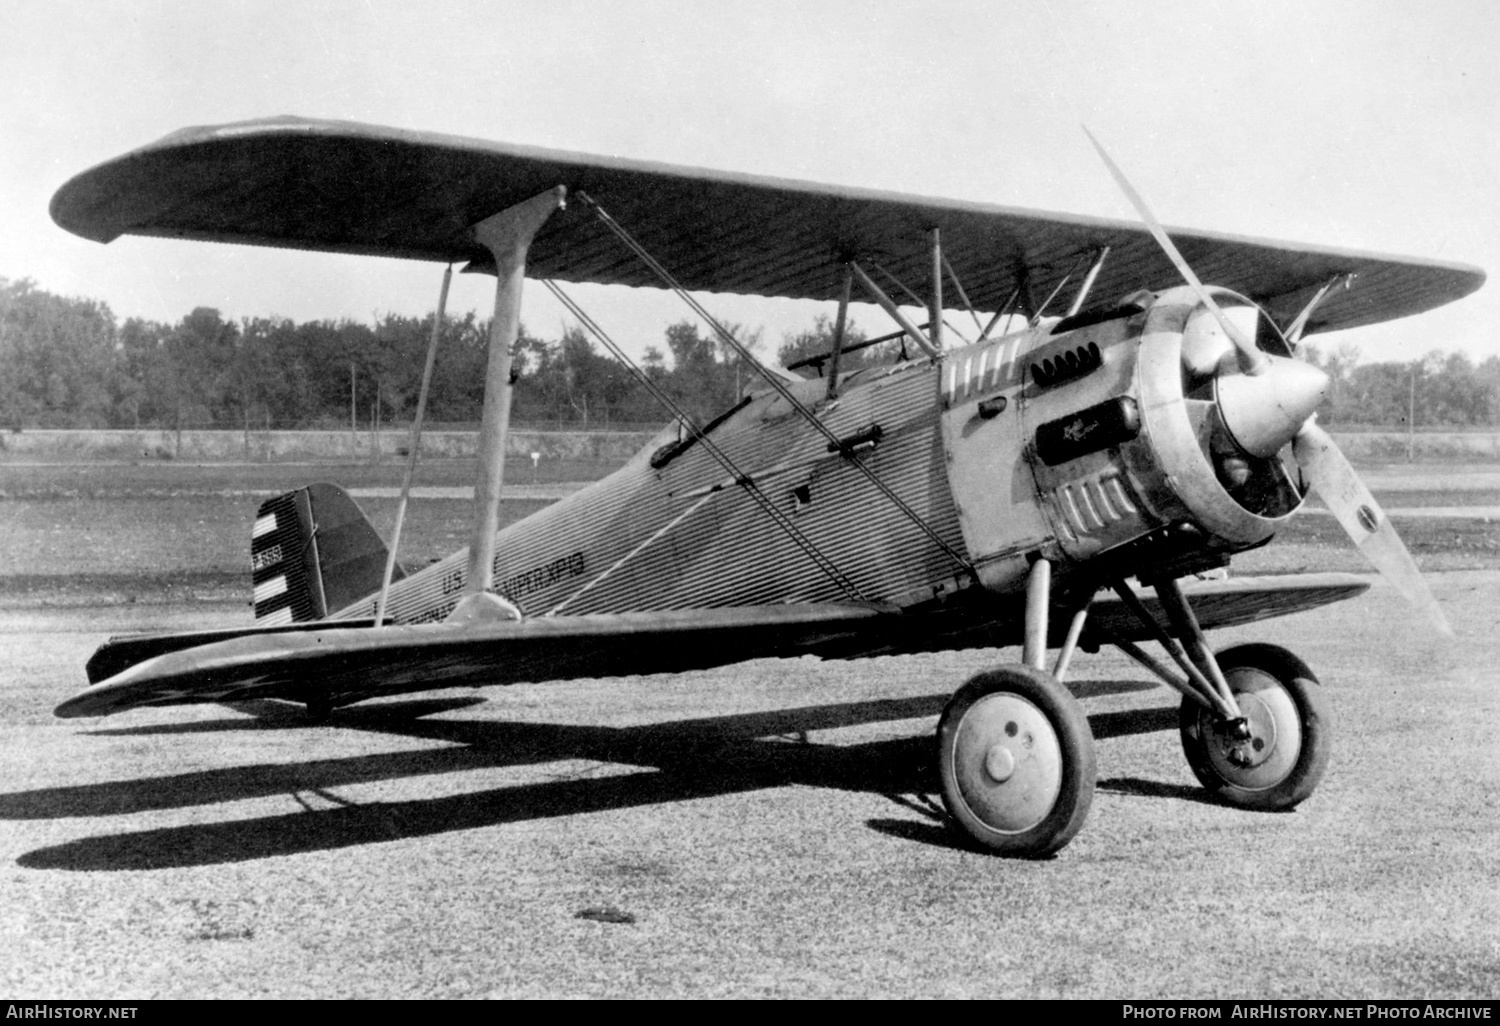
<point x="1283" y="759"/>
<point x="1016" y="758"/>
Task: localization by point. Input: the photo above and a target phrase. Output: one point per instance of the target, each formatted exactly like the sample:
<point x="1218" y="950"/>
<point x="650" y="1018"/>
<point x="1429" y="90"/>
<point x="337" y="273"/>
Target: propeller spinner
<point x="1266" y="402"/>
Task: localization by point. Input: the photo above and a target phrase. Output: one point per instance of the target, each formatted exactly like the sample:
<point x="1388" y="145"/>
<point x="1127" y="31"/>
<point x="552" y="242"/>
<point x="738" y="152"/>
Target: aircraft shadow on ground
<point x="680" y="760"/>
<point x="1139" y="788"/>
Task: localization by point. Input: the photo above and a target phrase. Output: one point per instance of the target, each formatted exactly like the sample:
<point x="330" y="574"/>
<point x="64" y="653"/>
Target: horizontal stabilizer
<point x="125" y="650"/>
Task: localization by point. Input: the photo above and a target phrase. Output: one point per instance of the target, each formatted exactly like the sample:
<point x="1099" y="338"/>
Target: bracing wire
<point x="781" y="520"/>
<point x="777" y="384"/>
<point x="413" y="447"/>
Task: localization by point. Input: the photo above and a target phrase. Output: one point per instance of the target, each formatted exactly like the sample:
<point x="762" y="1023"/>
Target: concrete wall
<point x="289" y="446"/>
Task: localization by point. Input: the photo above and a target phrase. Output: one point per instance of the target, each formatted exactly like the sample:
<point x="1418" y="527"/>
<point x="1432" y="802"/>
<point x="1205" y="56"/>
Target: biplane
<point x="1079" y="481"/>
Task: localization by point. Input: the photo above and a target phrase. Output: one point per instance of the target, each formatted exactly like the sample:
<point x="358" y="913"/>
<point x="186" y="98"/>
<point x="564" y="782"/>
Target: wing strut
<point x="1299" y="325"/>
<point x="508" y="236"/>
<point x="935" y="303"/>
<point x="934" y="327"/>
<point x="889" y="306"/>
<point x="839" y="326"/>
<point x="1004" y="311"/>
<point x="1088" y="281"/>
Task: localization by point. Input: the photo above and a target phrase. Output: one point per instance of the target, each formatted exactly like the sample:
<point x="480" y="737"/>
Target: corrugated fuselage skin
<point x="684" y="535"/>
<point x="954" y="438"/>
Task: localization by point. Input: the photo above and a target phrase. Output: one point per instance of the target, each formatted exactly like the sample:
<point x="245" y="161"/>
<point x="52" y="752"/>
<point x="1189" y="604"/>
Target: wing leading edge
<point x="349" y="188"/>
<point x="340" y="665"/>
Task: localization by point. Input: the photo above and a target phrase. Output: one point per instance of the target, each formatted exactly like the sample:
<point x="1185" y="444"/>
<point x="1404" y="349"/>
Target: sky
<point x="1372" y="125"/>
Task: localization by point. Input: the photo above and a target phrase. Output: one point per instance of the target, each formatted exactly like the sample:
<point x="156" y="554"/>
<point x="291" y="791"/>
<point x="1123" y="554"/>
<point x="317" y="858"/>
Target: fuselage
<point x="675" y="529"/>
<point x="1070" y="440"/>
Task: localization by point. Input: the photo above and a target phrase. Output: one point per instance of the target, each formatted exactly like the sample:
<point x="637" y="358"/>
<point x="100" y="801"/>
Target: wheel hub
<point x="999" y="763"/>
<point x="1258" y="751"/>
<point x="1007" y="760"/>
<point x="1251" y="740"/>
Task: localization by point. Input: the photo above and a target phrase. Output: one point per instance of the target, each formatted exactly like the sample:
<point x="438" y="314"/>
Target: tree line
<point x="66" y="362"/>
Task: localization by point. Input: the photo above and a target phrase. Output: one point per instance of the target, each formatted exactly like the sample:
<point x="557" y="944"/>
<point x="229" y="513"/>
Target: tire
<point x="1288" y="751"/>
<point x="1016" y="761"/>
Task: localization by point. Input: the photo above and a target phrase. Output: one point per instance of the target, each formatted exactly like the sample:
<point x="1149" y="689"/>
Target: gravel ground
<point x="764" y="830"/>
<point x="770" y="829"/>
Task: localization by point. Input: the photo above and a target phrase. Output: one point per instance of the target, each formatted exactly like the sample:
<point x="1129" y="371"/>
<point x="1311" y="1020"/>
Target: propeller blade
<point x="1252" y="360"/>
<point x="1360" y="515"/>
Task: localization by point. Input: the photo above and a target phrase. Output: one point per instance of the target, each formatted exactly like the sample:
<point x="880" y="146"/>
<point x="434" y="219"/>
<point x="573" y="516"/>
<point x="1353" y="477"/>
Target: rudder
<point x="312" y="552"/>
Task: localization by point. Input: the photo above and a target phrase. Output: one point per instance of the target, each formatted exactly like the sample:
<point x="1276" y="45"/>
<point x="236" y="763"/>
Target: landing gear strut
<point x="1015" y="752"/>
<point x="1285" y="751"/>
<point x="1254" y="722"/>
<point x="1016" y="755"/>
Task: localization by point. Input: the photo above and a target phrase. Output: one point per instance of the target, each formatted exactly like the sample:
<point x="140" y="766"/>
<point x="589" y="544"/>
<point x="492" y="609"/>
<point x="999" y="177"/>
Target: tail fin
<point x="313" y="552"/>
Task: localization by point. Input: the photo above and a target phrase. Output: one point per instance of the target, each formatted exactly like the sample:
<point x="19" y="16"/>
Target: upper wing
<point x="351" y="188"/>
<point x="343" y="664"/>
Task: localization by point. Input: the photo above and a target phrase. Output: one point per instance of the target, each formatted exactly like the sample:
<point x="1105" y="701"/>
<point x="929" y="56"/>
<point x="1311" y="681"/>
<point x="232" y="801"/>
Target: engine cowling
<point x="1137" y="430"/>
<point x="1174" y="442"/>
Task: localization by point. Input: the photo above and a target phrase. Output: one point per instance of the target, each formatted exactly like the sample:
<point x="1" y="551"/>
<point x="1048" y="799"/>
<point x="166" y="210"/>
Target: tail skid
<point x="311" y="551"/>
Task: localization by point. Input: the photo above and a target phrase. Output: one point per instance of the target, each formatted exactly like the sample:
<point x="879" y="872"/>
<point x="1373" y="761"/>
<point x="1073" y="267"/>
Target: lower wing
<point x="338" y="665"/>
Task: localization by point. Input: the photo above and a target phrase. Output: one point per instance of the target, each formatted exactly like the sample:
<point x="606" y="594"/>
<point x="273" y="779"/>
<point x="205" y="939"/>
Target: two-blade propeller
<point x="1323" y="465"/>
<point x="1252" y="360"/>
<point x="1334" y="479"/>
